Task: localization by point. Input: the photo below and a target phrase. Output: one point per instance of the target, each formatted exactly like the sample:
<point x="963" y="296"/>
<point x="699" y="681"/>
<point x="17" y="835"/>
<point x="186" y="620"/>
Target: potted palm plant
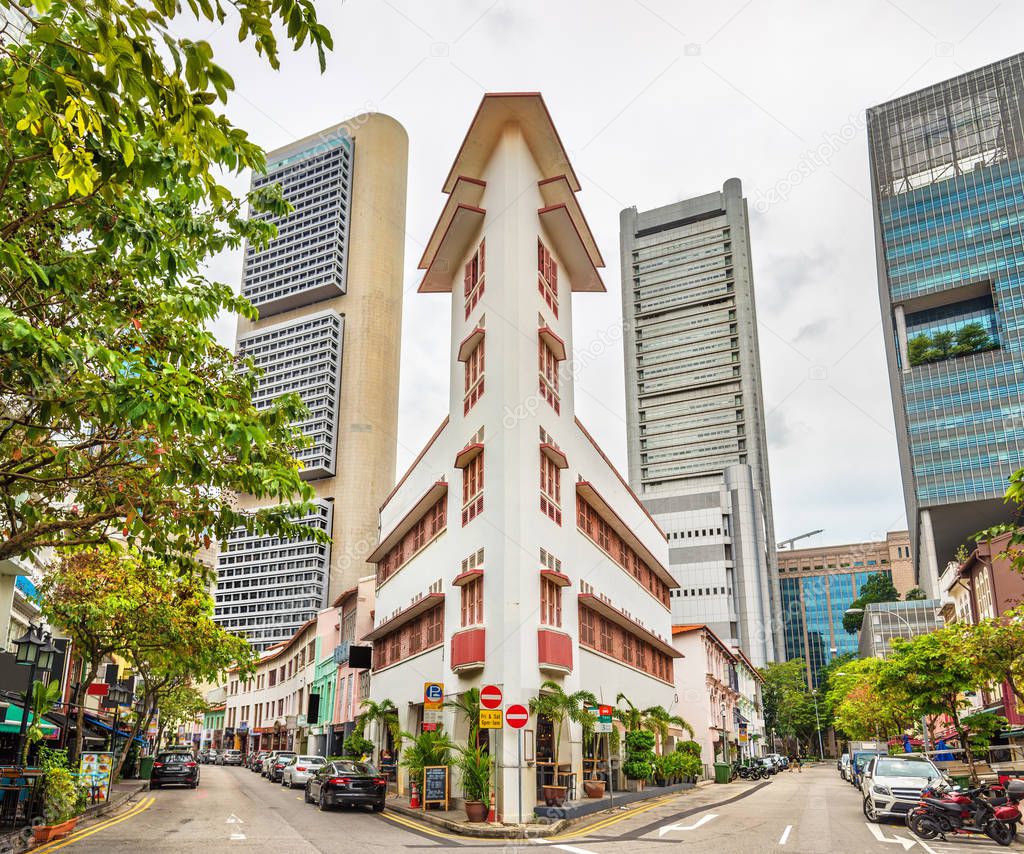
<point x="557" y="707"/>
<point x="426" y="748"/>
<point x="62" y="799"/>
<point x="474" y="765"/>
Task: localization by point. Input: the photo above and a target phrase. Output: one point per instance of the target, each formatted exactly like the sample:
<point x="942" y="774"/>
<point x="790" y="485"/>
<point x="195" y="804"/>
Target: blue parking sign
<point x="433" y="695"/>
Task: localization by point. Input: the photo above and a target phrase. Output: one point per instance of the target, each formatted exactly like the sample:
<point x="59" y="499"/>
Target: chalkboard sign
<point x="435" y="785"/>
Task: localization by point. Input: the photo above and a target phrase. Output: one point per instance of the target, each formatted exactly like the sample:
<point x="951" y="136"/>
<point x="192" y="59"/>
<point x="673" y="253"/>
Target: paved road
<point x="235" y="810"/>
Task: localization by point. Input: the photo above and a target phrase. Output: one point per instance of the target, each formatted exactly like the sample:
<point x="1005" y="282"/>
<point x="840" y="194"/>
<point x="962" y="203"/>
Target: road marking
<point x="141" y="807"/>
<point x="880" y="836"/>
<point x="586" y="831"/>
<point x="668" y="828"/>
<point x="234" y="819"/>
<point x="415" y="825"/>
<point x="785" y="835"/>
<point x="237" y="837"/>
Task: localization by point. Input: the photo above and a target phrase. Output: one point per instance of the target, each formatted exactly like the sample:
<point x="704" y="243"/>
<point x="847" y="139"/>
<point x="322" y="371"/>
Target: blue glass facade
<point x="949" y="206"/>
<point x="812" y="612"/>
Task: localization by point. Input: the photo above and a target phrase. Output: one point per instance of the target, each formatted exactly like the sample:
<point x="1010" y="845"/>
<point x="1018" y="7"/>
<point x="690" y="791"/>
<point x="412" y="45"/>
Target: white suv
<point x="891" y="785"/>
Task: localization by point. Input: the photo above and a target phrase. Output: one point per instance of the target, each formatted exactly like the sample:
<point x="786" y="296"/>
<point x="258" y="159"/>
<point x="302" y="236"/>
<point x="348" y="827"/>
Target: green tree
<point x="877" y="588"/>
<point x="384" y="715"/>
<point x="788" y="705"/>
<point x="42" y="699"/>
<point x="972" y="338"/>
<point x="915" y="594"/>
<point x="996" y="647"/>
<point x="631" y="718"/>
<point x="122" y="415"/>
<point x="984" y="727"/>
<point x="930" y="673"/>
<point x="558" y="707"/>
<point x="857" y="707"/>
<point x="658" y="720"/>
<point x="179" y="706"/>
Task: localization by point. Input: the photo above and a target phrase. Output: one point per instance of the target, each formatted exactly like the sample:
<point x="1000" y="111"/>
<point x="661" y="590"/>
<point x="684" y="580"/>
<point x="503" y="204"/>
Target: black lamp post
<point x="35" y="649"/>
<point x="119" y="695"/>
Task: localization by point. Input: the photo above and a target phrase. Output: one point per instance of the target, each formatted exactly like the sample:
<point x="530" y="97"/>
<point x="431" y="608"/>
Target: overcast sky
<point x="657" y="101"/>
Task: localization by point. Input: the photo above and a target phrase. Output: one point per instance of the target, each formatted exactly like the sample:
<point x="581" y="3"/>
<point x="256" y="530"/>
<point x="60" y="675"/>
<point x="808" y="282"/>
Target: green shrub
<point x="689" y="747"/>
<point x="970" y="338"/>
<point x="355" y="747"/>
<point x="691" y="767"/>
<point x="639" y="764"/>
<point x="475" y="766"/>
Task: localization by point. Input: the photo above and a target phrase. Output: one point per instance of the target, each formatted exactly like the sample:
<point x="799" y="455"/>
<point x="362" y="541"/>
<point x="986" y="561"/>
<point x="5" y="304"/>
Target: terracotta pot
<point x="475" y="811"/>
<point x="47" y="832"/>
<point x="554" y="796"/>
<point x="593" y="788"/>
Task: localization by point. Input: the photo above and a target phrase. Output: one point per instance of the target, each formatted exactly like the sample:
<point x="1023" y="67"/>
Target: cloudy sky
<point x="657" y="101"/>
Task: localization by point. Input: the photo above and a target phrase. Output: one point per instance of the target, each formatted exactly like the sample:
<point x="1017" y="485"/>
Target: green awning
<point x="12" y="723"/>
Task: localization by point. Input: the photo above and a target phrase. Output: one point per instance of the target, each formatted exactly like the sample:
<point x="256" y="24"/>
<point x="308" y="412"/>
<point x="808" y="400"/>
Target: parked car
<point x="297" y="771"/>
<point x="231" y="757"/>
<point x="211" y="757"/>
<point x="346" y="781"/>
<point x="843" y="765"/>
<point x="249" y="757"/>
<point x="891" y="785"/>
<point x="281" y="758"/>
<point x="202" y="754"/>
<point x="174" y="766"/>
<point x="257" y="761"/>
<point x="268" y="760"/>
<point x="858" y="762"/>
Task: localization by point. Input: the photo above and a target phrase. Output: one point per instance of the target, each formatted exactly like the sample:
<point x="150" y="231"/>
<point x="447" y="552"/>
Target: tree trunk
<point x="964" y="742"/>
<point x="94" y="669"/>
<point x="127" y="747"/>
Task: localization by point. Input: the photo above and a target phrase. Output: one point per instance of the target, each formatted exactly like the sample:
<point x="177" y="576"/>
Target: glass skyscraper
<point x="948" y="193"/>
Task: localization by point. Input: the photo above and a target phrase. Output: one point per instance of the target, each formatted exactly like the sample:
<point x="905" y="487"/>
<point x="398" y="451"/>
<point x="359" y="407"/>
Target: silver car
<point x="230" y="757"/>
<point x="892" y="785"/>
<point x="299" y="769"/>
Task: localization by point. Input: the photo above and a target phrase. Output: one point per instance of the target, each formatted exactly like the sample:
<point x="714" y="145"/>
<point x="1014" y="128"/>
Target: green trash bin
<point x="723" y="771"/>
<point x="145" y="767"/>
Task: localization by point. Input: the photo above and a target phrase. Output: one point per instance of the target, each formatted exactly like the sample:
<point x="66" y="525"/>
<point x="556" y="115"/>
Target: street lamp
<point x="36" y="650"/>
<point x="725" y="741"/>
<point x="817" y="721"/>
<point x="909" y="625"/>
<point x="119" y="695"/>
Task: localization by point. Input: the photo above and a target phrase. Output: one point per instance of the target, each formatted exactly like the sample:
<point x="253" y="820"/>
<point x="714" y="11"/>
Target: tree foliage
<point x="788" y="704"/>
<point x="877" y="588"/>
<point x="859" y="709"/>
<point x="970" y="338"/>
<point x="120" y="414"/>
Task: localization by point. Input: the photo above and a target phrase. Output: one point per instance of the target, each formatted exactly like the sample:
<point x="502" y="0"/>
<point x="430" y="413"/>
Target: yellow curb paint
<point x="141" y="807"/>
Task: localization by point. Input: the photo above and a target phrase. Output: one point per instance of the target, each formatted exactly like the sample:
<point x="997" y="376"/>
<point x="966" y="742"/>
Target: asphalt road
<point x="236" y="810"/>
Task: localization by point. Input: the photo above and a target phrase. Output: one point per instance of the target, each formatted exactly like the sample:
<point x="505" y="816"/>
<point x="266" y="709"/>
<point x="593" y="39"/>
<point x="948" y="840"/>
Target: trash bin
<point x="723" y="772"/>
<point x="145" y="767"/>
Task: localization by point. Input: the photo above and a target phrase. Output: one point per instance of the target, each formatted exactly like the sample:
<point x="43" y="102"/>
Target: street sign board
<point x="490" y="719"/>
<point x="604" y="711"/>
<point x="516" y="716"/>
<point x="743" y="732"/>
<point x="432" y="716"/>
<point x="490" y="697"/>
<point x="98" y="689"/>
<point x="602" y="726"/>
<point x="433" y="695"/>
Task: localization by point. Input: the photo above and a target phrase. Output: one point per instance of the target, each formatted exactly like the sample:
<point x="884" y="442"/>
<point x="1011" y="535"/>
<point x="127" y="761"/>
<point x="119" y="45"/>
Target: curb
<point x="482" y="831"/>
<point x="118" y="801"/>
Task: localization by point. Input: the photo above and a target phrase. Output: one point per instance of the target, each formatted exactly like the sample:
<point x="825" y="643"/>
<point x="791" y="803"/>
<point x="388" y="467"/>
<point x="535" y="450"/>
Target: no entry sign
<point x="490" y="696"/>
<point x="516" y="716"/>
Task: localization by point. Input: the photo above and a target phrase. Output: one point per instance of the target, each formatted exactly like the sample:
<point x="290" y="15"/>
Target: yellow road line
<point x="141" y="807"/>
<point x="415" y="825"/>
<point x="615" y="819"/>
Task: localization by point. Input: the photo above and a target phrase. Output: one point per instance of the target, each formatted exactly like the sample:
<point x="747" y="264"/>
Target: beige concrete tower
<point x="329" y="293"/>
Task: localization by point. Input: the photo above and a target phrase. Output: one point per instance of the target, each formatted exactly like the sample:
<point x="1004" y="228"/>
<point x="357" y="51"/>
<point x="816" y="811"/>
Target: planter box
<point x="48" y="832"/>
<point x="593" y="788"/>
<point x="554" y="796"/>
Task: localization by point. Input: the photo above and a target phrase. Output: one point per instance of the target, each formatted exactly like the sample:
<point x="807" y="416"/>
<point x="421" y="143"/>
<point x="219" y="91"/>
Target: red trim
<point x="416" y="512"/>
<point x="464" y="457"/>
<point x="560" y="578"/>
<point x="430" y="264"/>
<point x="596" y="603"/>
<point x="583" y="216"/>
<point x="418" y="607"/>
<point x="683" y="630"/>
<point x="468" y="648"/>
<point x="555" y="344"/>
<point x="469" y="575"/>
<point x="415" y="463"/>
<point x="622" y="480"/>
<point x="470" y="343"/>
<point x="556" y="455"/>
<point x="554" y="649"/>
<point x="552" y="209"/>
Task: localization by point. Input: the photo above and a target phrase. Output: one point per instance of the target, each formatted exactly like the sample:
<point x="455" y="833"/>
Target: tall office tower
<point x="695" y="413"/>
<point x="948" y="188"/>
<point x="819" y="584"/>
<point x="329" y="293"/>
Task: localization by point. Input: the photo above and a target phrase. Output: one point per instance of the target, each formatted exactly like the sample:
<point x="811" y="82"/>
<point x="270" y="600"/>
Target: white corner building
<point x="512" y="552"/>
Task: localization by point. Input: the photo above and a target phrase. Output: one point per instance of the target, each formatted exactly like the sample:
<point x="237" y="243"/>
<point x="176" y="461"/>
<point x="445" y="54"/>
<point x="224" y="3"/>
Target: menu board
<point x="94" y="771"/>
<point x="435" y="785"/>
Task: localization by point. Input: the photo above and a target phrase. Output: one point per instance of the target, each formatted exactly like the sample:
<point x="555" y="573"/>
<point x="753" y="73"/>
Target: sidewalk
<point x="20" y="839"/>
<point x="550" y="820"/>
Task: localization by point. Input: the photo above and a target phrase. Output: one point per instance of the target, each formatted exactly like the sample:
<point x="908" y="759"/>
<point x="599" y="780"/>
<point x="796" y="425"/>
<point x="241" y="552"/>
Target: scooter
<point x="983" y="811"/>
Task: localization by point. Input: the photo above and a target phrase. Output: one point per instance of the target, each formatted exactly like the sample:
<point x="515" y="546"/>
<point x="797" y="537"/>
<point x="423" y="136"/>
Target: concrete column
<point x="901" y="336"/>
<point x="928" y="563"/>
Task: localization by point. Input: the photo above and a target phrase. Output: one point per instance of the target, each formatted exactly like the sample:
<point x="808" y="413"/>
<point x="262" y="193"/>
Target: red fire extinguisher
<point x="414" y="796"/>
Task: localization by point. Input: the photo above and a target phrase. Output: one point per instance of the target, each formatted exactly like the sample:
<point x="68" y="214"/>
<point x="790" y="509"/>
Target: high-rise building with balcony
<point x="695" y="412"/>
<point x="948" y="193"/>
<point x="328" y="289"/>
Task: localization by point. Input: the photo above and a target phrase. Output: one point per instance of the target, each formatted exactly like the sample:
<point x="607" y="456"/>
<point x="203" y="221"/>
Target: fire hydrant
<point x="414" y="795"/>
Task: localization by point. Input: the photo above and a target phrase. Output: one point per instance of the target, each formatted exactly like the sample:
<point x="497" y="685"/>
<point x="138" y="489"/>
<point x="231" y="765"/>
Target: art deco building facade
<point x="695" y="412"/>
<point x="948" y="193"/>
<point x="512" y="552"/>
<point x="329" y="293"/>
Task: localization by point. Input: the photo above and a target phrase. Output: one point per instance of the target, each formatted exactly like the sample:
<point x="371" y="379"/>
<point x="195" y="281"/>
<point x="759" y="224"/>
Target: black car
<point x="347" y="782"/>
<point x="170" y="767"/>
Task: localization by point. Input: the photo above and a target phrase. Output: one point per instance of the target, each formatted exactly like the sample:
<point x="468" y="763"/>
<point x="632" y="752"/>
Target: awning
<point x="121" y="732"/>
<point x="12" y="723"/>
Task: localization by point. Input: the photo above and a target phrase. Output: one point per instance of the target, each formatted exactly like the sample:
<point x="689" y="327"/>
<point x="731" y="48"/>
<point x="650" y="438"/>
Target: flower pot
<point x="554" y="796"/>
<point x="593" y="788"/>
<point x="634" y="785"/>
<point x="475" y="811"/>
<point x="48" y="832"/>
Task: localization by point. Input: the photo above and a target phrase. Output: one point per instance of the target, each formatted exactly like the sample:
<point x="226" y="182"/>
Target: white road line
<point x="670" y="827"/>
<point x="785" y="835"/>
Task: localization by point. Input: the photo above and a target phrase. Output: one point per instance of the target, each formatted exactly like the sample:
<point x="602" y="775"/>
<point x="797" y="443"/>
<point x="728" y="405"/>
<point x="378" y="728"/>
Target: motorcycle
<point x="749" y="772"/>
<point x="983" y="811"/>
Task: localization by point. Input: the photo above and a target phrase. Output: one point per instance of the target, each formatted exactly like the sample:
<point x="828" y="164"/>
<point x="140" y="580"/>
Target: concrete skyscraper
<point x="329" y="293"/>
<point x="696" y="440"/>
<point x="948" y="193"/>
